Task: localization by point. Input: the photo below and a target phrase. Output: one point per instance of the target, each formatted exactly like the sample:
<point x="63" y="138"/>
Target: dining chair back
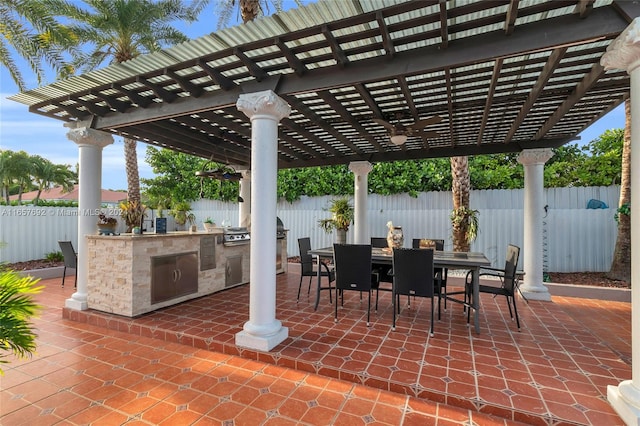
<point x="353" y="272"/>
<point x="440" y="274"/>
<point x="379" y="242"/>
<point x="70" y="260"/>
<point x="307" y="268"/>
<point x="383" y="270"/>
<point x="412" y="276"/>
<point x="507" y="279"/>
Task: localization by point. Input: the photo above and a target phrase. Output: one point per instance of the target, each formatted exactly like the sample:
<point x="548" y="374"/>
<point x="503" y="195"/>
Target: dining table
<point x="469" y="261"/>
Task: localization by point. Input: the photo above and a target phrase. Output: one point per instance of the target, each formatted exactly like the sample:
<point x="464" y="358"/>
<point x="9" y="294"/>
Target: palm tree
<point x="15" y="170"/>
<point x="249" y="9"/>
<point x="30" y="30"/>
<point x="621" y="263"/>
<point x="120" y="30"/>
<point x="46" y="174"/>
<point x="463" y="220"/>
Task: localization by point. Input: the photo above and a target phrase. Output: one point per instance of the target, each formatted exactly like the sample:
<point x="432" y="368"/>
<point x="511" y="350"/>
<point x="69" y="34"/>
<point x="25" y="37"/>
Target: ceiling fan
<point x="398" y="132"/>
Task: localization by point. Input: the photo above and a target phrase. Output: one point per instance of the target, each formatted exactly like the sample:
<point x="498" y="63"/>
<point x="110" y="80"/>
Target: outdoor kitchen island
<point x="130" y="274"/>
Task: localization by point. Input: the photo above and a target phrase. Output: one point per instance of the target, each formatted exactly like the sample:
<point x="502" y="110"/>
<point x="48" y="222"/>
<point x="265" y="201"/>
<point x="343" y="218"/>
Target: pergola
<point x="501" y="76"/>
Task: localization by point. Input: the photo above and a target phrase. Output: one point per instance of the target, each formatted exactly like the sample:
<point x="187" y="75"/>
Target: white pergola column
<point x="360" y="171"/>
<point x="533" y="161"/>
<point x="244" y="208"/>
<point x="90" y="144"/>
<point x="265" y="109"/>
<point x="624" y="53"/>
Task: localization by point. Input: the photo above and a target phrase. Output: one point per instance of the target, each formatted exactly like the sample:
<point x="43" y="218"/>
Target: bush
<point x="16" y="309"/>
<point x="54" y="256"/>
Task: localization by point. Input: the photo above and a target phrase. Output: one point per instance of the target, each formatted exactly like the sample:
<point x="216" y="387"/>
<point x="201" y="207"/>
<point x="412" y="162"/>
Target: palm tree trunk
<point x="460" y="187"/>
<point x="621" y="263"/>
<point x="131" y="167"/>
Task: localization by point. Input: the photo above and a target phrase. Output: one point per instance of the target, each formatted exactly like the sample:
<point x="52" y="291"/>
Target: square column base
<point x="261" y="343"/>
<point x="629" y="413"/>
<point x="543" y="295"/>
<point x="78" y="305"/>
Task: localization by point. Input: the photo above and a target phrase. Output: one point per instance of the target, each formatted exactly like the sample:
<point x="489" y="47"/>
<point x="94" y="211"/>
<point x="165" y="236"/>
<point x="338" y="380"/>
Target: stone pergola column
<point x="265" y="109"/>
<point x="361" y="171"/>
<point x="624" y="53"/>
<point x="90" y="144"/>
<point x="244" y="208"/>
<point x="533" y="161"/>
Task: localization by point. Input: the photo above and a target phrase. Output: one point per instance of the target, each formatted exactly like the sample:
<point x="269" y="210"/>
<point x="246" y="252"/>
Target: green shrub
<point x="54" y="256"/>
<point x="17" y="335"/>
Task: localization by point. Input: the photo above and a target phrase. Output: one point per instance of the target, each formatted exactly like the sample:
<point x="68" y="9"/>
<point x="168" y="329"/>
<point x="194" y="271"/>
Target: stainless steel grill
<point x="236" y="236"/>
<point x="280" y="232"/>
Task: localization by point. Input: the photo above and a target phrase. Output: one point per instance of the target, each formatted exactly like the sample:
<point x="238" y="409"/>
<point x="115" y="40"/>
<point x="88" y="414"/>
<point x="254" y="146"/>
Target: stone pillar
<point x="244" y="207"/>
<point x="361" y="171"/>
<point x="624" y="53"/>
<point x="90" y="144"/>
<point x="533" y="161"/>
<point x="265" y="109"/>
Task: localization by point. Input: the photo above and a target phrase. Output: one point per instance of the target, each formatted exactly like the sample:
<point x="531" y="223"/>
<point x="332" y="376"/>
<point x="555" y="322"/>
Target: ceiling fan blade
<point x="384" y="123"/>
<point x="420" y="124"/>
<point x="426" y="134"/>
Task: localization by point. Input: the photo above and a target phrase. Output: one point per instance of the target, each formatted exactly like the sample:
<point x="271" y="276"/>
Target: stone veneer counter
<point x="120" y="272"/>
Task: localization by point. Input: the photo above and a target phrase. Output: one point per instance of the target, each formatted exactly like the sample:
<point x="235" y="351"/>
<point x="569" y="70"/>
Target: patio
<point x="555" y="371"/>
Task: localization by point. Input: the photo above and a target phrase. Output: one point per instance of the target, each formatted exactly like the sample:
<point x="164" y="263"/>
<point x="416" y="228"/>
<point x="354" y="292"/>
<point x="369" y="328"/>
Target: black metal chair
<point x="353" y="272"/>
<point x="440" y="274"/>
<point x="383" y="270"/>
<point x="70" y="260"/>
<point x="413" y="276"/>
<point x="308" y="270"/>
<point x="507" y="278"/>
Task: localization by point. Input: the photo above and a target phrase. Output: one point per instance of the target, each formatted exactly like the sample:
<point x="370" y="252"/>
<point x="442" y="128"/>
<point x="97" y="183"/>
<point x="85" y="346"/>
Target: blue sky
<point x="35" y="134"/>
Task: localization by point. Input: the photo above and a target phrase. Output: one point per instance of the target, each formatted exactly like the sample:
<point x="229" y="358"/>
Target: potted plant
<point x="181" y="212"/>
<point x="132" y="213"/>
<point x="341" y="218"/>
<point x="106" y="224"/>
<point x="209" y="224"/>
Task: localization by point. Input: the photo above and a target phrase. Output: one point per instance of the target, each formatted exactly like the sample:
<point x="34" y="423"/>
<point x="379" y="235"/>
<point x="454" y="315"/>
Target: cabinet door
<point x="187" y="271"/>
<point x="163" y="278"/>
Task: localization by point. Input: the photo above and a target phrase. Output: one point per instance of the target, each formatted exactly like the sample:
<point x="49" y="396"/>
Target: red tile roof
<point x="57" y="194"/>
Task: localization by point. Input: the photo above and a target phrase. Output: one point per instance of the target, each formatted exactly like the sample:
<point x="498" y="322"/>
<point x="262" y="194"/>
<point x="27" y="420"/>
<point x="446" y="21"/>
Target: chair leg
<point x="393" y="305"/>
<point x="335" y="316"/>
<point x="516" y="312"/>
<point x="299" y="287"/>
<point x="509" y="306"/>
<point x="439" y="291"/>
<point x="75" y="282"/>
<point x="368" y="308"/>
<point x="432" y="307"/>
<point x="64" y="273"/>
<point x="308" y="289"/>
<point x="377" y="293"/>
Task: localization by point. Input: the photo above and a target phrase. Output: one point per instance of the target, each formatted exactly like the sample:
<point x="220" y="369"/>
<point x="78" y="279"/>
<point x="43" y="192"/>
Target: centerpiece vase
<point x="395" y="238"/>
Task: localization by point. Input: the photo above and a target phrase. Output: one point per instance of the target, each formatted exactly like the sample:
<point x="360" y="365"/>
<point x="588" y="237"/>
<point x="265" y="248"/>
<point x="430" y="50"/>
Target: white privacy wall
<point x="576" y="239"/>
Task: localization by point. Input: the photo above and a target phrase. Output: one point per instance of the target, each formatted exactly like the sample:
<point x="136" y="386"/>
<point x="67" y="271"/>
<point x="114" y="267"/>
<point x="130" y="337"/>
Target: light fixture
<point x="398" y="139"/>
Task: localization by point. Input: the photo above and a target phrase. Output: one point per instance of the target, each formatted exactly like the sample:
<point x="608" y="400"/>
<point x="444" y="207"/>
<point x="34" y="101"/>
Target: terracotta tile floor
<point x="180" y="365"/>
